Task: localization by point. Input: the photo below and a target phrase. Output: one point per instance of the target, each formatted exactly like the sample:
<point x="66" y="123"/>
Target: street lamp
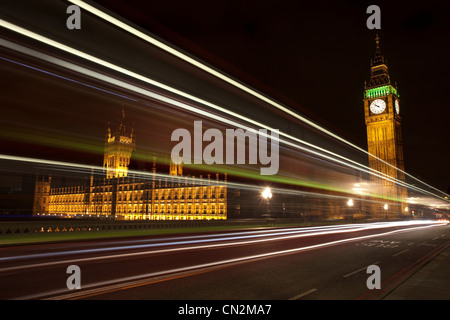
<point x="350" y="204"/>
<point x="267" y="194"/>
<point x="386" y="207"/>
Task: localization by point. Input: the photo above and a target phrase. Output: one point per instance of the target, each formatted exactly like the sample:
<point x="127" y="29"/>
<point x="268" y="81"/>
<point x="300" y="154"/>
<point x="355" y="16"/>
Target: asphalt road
<point x="328" y="262"/>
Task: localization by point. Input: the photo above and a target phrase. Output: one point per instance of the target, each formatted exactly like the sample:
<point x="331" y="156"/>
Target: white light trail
<point x="334" y="157"/>
<point x="307" y="231"/>
<point x="198" y="64"/>
<point x="195" y="62"/>
<point x="168" y="240"/>
<point x="99" y="287"/>
<point x="242" y="240"/>
<point x="151" y="94"/>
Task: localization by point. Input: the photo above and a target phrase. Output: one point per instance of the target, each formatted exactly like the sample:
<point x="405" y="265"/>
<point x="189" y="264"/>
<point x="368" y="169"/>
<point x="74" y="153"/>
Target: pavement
<point x="431" y="282"/>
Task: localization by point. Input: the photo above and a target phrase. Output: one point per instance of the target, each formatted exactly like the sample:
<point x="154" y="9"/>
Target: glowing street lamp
<point x="386" y="207"/>
<point x="350" y="202"/>
<point x="267" y="194"/>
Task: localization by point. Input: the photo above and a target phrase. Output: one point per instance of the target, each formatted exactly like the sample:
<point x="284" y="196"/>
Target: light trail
<point x="195" y="62"/>
<point x="115" y="284"/>
<point x="152" y="176"/>
<point x="122" y="84"/>
<point x="188" y="240"/>
<point x="177" y="103"/>
<point x="66" y="78"/>
<point x="110" y="19"/>
<point x="119" y="83"/>
<point x="243" y="240"/>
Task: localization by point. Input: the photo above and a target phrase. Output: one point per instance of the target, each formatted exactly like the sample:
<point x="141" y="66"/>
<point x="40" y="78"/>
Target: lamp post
<point x="386" y="207"/>
<point x="350" y="204"/>
<point x="267" y="194"/>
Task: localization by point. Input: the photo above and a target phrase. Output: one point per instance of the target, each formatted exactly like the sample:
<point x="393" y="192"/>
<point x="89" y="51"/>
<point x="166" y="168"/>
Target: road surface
<point x="323" y="262"/>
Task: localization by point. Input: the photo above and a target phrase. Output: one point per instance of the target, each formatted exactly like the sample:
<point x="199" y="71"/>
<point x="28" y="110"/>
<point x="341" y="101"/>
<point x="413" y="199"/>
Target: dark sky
<point x="315" y="56"/>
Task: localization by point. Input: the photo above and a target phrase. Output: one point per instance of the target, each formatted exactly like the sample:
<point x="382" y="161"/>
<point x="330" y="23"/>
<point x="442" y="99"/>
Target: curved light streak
<point x="123" y="282"/>
<point x="303" y="231"/>
<point x="33" y="35"/>
<point x="195" y="62"/>
<point x="242" y="241"/>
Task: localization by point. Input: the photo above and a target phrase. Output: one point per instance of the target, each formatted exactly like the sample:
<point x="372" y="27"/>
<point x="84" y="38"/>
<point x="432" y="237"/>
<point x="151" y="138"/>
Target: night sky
<point x="316" y="56"/>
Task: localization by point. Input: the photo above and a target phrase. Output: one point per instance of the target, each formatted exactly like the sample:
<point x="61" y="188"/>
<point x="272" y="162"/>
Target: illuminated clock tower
<point x="384" y="139"/>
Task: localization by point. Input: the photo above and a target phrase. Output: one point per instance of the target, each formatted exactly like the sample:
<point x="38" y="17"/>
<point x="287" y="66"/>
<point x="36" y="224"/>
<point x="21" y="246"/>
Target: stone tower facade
<point x="119" y="145"/>
<point x="384" y="139"/>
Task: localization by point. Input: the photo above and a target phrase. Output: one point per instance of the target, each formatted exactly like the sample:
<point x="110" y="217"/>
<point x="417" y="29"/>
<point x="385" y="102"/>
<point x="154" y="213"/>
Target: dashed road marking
<point x="399" y="253"/>
<point x="359" y="270"/>
<point x="301" y="295"/>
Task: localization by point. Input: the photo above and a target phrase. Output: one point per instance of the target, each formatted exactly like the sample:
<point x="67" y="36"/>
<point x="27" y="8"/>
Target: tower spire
<point x="379" y="58"/>
<point x="119" y="146"/>
<point x="379" y="72"/>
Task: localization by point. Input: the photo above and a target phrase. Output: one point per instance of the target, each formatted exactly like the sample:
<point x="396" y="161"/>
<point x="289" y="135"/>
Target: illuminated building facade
<point x="119" y="195"/>
<point x="384" y="137"/>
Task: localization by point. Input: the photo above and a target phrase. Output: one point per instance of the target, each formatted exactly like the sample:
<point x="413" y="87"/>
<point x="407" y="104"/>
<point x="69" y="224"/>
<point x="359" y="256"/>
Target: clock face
<point x="377" y="106"/>
<point x="397" y="107"/>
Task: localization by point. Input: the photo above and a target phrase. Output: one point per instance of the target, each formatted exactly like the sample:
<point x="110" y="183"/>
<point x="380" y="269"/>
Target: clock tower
<point x="384" y="139"/>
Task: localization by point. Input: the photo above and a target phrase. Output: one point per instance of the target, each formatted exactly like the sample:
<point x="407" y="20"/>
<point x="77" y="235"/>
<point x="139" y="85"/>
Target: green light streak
<point x="81" y="145"/>
<point x="51" y="139"/>
<point x="266" y="179"/>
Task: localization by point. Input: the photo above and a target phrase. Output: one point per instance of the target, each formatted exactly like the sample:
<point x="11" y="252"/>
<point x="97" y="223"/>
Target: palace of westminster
<point x="122" y="196"/>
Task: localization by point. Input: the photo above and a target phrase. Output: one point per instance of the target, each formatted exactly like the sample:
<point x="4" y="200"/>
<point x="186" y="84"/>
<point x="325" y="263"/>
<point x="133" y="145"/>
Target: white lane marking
<point x="399" y="253"/>
<point x="303" y="294"/>
<point x="359" y="270"/>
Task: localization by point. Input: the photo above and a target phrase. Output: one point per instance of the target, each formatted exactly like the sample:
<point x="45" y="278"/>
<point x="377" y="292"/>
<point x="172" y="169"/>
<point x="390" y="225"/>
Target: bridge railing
<point x="43" y="227"/>
<point x="21" y="228"/>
